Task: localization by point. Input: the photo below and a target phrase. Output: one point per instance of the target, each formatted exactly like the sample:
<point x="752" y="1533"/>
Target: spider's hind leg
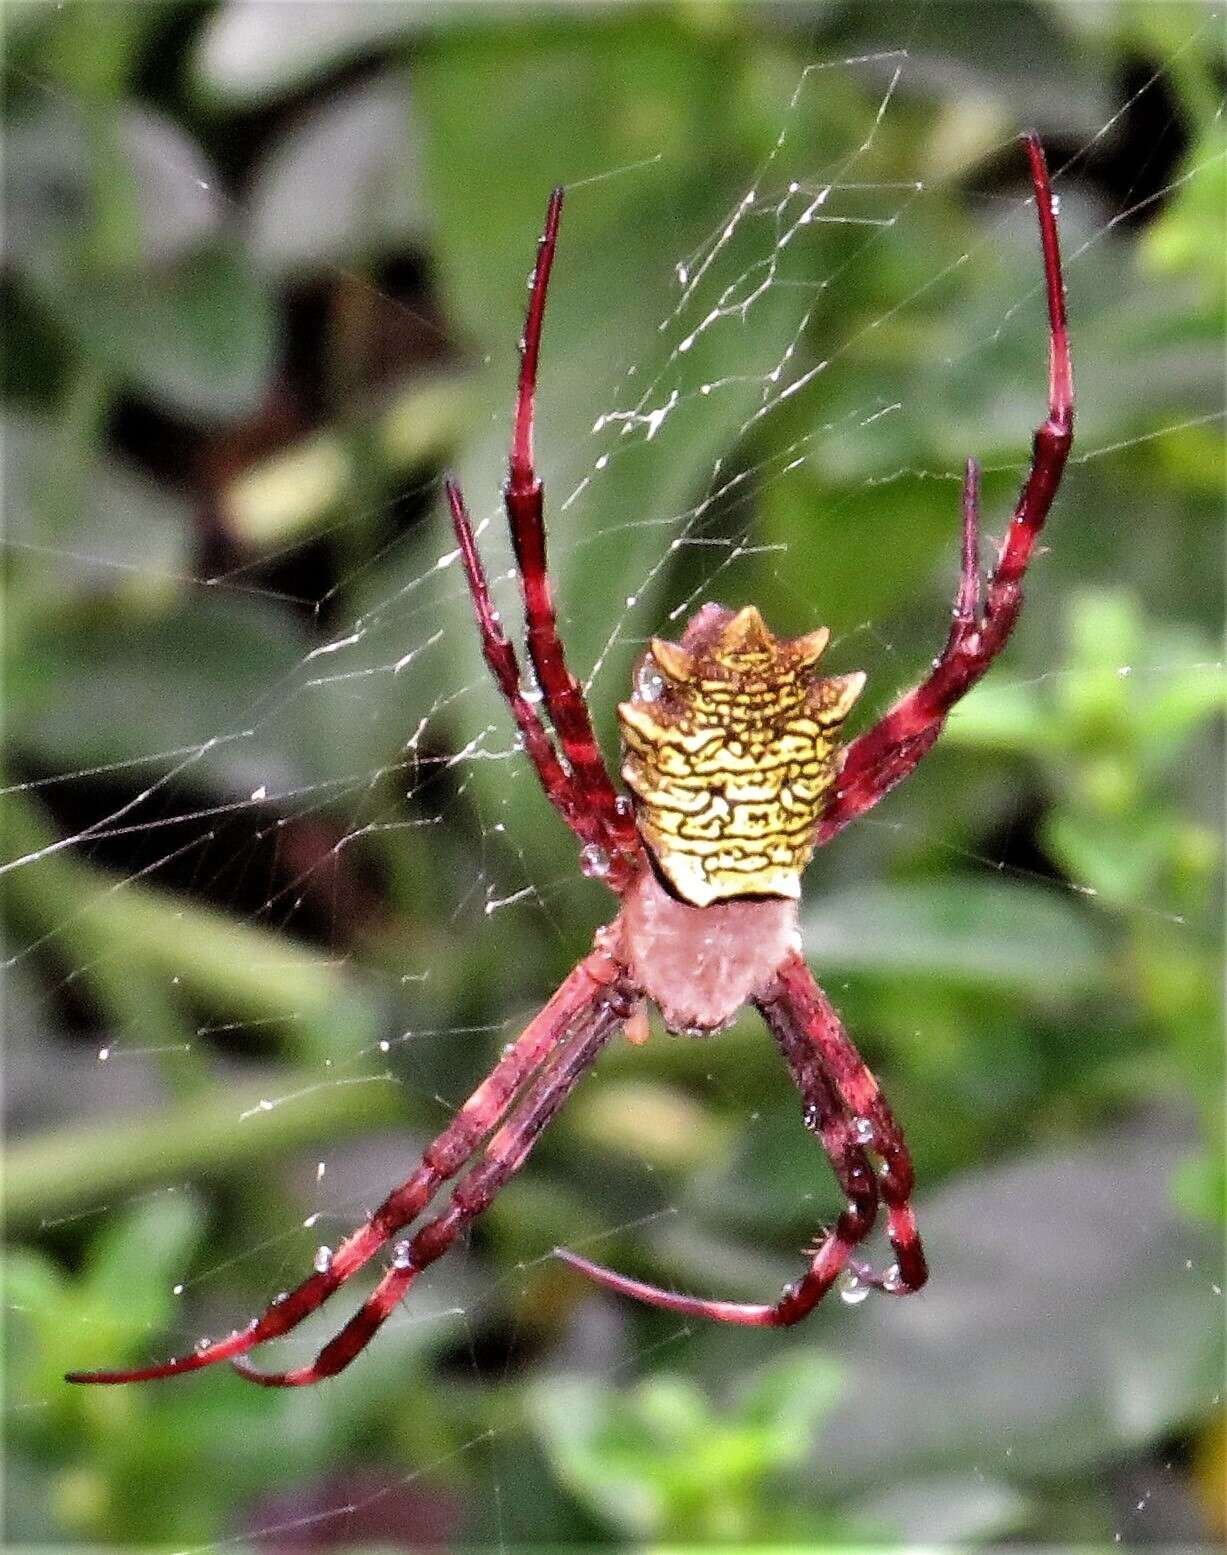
<point x="807" y="1026"/>
<point x="833" y="1251"/>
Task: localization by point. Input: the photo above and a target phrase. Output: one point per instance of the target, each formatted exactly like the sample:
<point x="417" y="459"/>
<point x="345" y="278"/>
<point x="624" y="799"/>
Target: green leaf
<point x="127" y="536"/>
<point x="1070" y="1319"/>
<point x="663" y="1461"/>
<point x="616" y="504"/>
<point x="1015" y="937"/>
<point x="135" y="1260"/>
<point x="1185" y="239"/>
<point x="1001" y="716"/>
<point x="249" y="53"/>
<point x="219" y="689"/>
<point x="1121" y="863"/>
<point x="52" y="194"/>
<point x="63" y="1170"/>
<point x="1185" y="696"/>
<point x="119" y="236"/>
<point x="343" y="185"/>
<point x="196" y="336"/>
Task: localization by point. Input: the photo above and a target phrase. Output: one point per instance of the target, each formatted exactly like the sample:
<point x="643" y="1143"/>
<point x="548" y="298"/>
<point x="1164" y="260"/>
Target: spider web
<point x="259" y="830"/>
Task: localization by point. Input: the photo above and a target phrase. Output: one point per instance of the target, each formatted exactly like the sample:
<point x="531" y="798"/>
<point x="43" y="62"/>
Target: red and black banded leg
<point x="523" y="495"/>
<point x="505" y="1153"/>
<point x="798" y="1011"/>
<point x="442" y="1159"/>
<point x="887" y="753"/>
<point x="825" y="1116"/>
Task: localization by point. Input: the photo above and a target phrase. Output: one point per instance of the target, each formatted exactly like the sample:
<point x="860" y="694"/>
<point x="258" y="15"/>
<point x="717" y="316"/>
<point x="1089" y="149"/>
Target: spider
<point x="732" y="753"/>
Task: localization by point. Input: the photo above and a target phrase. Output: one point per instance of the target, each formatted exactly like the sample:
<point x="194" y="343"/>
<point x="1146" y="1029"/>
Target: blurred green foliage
<point x="265" y="267"/>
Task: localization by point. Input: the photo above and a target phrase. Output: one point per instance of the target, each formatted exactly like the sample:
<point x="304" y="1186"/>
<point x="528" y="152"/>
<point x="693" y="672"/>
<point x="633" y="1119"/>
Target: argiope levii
<point x="733" y="759"/>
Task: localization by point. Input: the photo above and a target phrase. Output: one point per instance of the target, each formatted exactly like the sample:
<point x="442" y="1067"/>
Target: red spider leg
<point x="560" y="788"/>
<point x="504" y="1155"/>
<point x="441" y="1160"/>
<point x="885" y="754"/>
<point x="797" y="1002"/>
<point x="523" y="497"/>
<point x="825" y="1116"/>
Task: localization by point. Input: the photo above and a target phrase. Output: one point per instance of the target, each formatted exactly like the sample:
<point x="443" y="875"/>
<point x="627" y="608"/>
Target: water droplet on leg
<point x="594" y="861"/>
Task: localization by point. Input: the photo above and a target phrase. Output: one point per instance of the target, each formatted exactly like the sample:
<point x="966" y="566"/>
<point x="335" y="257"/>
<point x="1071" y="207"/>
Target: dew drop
<point x="322" y="1262"/>
<point x="402" y="1257"/>
<point x="176" y="1290"/>
<point x="594" y="861"/>
<point x="892" y="1280"/>
<point x="811" y="1117"/>
<point x="384" y="1045"/>
<point x="103" y="1054"/>
<point x="649" y="684"/>
<point x="852" y="1291"/>
<point x="202" y="1345"/>
<point x="260" y="793"/>
<point x="864" y="1130"/>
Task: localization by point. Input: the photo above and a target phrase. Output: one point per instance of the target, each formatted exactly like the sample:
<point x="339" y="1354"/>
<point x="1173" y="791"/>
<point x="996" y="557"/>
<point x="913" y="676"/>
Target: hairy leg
<point x="560" y="786"/>
<point x="524" y="498"/>
<point x="885" y="754"/>
<point x="826" y="1116"/>
<point x="505" y="1153"/>
<point x="796" y="1006"/>
<point x="583" y="990"/>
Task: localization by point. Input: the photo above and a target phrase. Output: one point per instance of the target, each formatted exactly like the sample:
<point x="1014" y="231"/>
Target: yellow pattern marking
<point x="730" y="749"/>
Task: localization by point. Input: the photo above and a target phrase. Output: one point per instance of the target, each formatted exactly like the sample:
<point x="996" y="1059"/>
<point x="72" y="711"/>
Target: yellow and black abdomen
<point x="730" y="752"/>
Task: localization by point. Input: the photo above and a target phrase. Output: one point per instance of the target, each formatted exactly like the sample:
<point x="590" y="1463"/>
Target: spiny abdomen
<point x="731" y="746"/>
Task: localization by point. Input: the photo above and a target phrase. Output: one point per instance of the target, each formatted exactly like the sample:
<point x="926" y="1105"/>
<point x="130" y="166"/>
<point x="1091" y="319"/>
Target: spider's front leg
<point x="885" y="754"/>
<point x="581" y="789"/>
